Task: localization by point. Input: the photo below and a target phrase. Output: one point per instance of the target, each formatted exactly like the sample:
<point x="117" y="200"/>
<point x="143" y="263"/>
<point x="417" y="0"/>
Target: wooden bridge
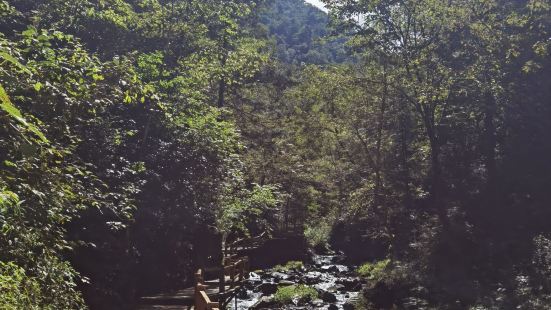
<point x="210" y="293"/>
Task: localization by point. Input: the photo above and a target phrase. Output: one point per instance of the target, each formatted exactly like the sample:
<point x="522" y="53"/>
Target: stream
<point x="336" y="284"/>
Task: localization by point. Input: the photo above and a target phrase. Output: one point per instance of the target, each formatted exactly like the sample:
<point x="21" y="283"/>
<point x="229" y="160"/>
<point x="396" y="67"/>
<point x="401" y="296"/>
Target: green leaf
<point x="38" y="86"/>
<point x="8" y="198"/>
<point x="9" y="58"/>
<point x="9" y="163"/>
<point x="12" y="111"/>
<point x="8" y="107"/>
<point x="127" y="98"/>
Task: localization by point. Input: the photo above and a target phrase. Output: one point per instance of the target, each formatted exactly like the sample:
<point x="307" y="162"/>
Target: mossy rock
<point x="301" y="293"/>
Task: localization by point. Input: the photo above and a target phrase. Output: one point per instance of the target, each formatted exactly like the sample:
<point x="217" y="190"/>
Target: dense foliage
<point x="130" y="130"/>
<point x="429" y="151"/>
<point x="114" y="149"/>
<point x="301" y="33"/>
<point x="437" y="140"/>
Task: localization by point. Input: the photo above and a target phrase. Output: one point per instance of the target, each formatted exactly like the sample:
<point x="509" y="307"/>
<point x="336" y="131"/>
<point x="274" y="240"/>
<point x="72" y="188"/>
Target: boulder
<point x="318" y="303"/>
<point x="338" y="259"/>
<point x="264" y="303"/>
<point x="285" y="283"/>
<point x="348" y="306"/>
<point x="311" y="279"/>
<point x="266" y="288"/>
<point x="294" y="277"/>
<point x="328" y="297"/>
<point x="251" y="284"/>
<point x="350" y="284"/>
<point x="340" y="288"/>
<point x="279" y="275"/>
<point x="243" y="294"/>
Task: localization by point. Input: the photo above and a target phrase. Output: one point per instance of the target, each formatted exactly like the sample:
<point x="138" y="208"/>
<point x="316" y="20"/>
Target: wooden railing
<point x="244" y="243"/>
<point x="202" y="300"/>
<point x="234" y="271"/>
<point x="199" y="278"/>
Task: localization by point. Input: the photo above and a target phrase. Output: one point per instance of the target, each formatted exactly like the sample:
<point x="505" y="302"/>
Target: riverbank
<point x="324" y="282"/>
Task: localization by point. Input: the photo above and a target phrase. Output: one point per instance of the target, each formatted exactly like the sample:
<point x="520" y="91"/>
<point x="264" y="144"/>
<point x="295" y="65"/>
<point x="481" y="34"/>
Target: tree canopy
<point x="412" y="135"/>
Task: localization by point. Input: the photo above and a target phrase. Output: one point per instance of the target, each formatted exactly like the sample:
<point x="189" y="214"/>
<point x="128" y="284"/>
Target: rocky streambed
<point x="336" y="286"/>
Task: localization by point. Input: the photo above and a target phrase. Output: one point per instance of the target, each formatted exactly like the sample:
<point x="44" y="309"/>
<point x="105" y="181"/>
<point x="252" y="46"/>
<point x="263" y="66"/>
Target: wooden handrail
<point x="236" y="269"/>
<point x="230" y="247"/>
<point x="202" y="300"/>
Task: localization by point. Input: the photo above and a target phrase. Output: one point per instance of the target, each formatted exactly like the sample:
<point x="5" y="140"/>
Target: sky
<point x="316" y="3"/>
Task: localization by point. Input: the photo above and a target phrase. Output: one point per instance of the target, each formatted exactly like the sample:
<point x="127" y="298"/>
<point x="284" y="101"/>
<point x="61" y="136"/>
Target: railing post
<point x="199" y="279"/>
<point x="200" y="303"/>
<point x="232" y="275"/>
<point x="222" y="284"/>
<point x="241" y="270"/>
<point x="222" y="275"/>
<point x="246" y="266"/>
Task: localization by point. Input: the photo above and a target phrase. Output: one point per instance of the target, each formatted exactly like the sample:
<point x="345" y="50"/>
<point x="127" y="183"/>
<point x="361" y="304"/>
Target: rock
<point x="251" y="284"/>
<point x="339" y="259"/>
<point x="328" y="297"/>
<point x="333" y="269"/>
<point x="294" y="277"/>
<point x="382" y="295"/>
<point x="285" y="283"/>
<point x="340" y="288"/>
<point x="350" y="284"/>
<point x="317" y="303"/>
<point x="266" y="288"/>
<point x="333" y="307"/>
<point x="243" y="294"/>
<point x="311" y="280"/>
<point x="348" y="306"/>
<point x="264" y="303"/>
<point x="279" y="275"/>
<point x="302" y="301"/>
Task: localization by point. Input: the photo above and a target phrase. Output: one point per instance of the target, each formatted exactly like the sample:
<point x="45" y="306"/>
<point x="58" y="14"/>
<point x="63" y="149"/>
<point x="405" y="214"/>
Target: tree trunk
<point x="490" y="143"/>
<point x="404" y="123"/>
<point x="436" y="180"/>
<point x="221" y="92"/>
<point x="222" y="82"/>
<point x="380" y="127"/>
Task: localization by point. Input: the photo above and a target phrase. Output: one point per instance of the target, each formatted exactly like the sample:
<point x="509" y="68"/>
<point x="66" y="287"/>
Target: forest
<point x="411" y="138"/>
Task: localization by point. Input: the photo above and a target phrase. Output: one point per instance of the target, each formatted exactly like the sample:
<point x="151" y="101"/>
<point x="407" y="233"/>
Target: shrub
<point x="291" y="265"/>
<point x="17" y="290"/>
<point x="373" y="271"/>
<point x="301" y="292"/>
<point x="318" y="235"/>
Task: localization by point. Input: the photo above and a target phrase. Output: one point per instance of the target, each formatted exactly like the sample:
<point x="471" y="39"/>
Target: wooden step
<point x="185" y="297"/>
<point x="180" y="297"/>
<point x="163" y="307"/>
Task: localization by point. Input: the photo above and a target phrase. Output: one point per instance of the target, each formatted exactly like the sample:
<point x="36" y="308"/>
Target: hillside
<point x="299" y="29"/>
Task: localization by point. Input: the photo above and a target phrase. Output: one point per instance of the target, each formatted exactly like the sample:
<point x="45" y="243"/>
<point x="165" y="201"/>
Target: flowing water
<point x="337" y="286"/>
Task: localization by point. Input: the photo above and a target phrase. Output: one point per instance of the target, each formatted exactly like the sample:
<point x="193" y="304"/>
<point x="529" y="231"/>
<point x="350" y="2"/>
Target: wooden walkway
<point x="209" y="294"/>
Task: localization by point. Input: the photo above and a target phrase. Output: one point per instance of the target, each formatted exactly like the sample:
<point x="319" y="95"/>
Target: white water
<point x="323" y="271"/>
